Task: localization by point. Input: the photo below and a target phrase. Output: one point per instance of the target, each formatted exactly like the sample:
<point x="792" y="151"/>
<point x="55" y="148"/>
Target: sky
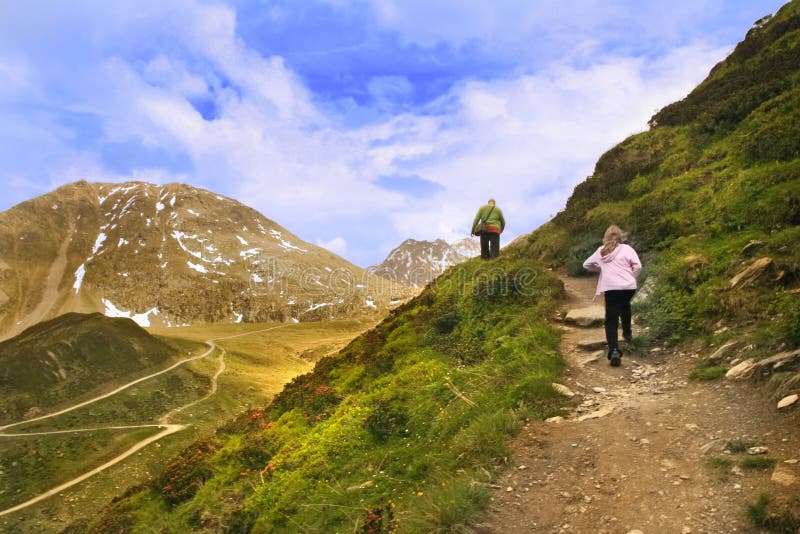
<point x="355" y="124"/>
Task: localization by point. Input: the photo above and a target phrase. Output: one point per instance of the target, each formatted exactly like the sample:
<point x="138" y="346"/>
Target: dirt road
<point x="642" y="448"/>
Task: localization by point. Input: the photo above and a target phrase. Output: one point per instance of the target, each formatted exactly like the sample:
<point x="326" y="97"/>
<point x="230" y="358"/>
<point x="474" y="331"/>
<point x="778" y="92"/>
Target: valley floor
<point x="643" y="449"/>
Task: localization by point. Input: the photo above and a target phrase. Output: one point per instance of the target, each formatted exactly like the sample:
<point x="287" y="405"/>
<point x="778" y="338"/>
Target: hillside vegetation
<point x="61" y="359"/>
<point x="402" y="429"/>
<point x="711" y="189"/>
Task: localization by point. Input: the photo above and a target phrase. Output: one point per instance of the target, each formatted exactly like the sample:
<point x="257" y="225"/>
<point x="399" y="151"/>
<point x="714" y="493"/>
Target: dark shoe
<point x="616" y="357"/>
<point x="627" y="337"/>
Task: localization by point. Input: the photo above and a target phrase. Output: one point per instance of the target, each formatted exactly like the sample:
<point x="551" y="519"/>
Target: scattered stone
<point x="791" y="461"/>
<point x="363" y="485"/>
<point x="599" y="390"/>
<point x="636" y="531"/>
<point x="509" y="489"/>
<point x="753" y="451"/>
<point x="592" y="342"/>
<point x="644" y="441"/>
<point x="722" y="352"/>
<point x="691" y="426"/>
<point x="563" y="390"/>
<point x="590" y="316"/>
<point x="784" y="476"/>
<point x="741" y="370"/>
<point x="788" y="401"/>
<point x="602" y="412"/>
<point x="686" y="530"/>
<point x="751" y="247"/>
<point x="736" y="470"/>
<point x="593" y="358"/>
<point x="753" y="273"/>
<point x="780" y="360"/>
<point x="685" y="477"/>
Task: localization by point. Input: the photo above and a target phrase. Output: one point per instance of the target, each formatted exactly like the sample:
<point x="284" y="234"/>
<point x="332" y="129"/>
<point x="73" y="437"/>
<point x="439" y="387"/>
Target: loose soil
<point x="635" y="448"/>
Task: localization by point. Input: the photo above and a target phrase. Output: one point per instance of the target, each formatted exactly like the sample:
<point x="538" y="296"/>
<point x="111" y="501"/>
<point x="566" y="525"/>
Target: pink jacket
<point x="618" y="270"/>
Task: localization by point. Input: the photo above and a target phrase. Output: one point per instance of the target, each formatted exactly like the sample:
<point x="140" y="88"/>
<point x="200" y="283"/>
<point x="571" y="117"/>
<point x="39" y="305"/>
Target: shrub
<point x="758" y="462"/>
<point x="781" y="522"/>
<point x="708" y="373"/>
<point x="186" y="473"/>
<point x="388" y="418"/>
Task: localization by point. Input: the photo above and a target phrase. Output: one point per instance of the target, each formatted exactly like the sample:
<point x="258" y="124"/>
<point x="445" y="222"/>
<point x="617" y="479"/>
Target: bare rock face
<point x="170" y="255"/>
<point x="416" y="263"/>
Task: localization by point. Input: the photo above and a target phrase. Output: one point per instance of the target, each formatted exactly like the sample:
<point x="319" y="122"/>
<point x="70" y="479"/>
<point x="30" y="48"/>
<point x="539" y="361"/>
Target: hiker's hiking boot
<point x="616" y="357"/>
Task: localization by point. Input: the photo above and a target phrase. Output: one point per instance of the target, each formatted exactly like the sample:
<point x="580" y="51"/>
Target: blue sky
<point x="356" y="124"/>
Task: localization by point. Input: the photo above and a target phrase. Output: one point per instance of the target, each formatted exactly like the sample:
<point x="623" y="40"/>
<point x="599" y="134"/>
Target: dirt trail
<point x="632" y="453"/>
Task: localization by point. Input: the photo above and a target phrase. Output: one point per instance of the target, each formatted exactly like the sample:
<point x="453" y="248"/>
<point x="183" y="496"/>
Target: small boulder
<point x="753" y="451"/>
<point x="722" y="352"/>
<point x="563" y="390"/>
<point x="590" y="316"/>
<point x="741" y="370"/>
<point x="592" y="343"/>
<point x="784" y="476"/>
<point x="788" y="401"/>
<point x="751" y="247"/>
<point x="780" y="360"/>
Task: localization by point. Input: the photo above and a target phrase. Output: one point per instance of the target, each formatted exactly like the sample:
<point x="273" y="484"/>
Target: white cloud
<point x="525" y="138"/>
<point x="337" y="245"/>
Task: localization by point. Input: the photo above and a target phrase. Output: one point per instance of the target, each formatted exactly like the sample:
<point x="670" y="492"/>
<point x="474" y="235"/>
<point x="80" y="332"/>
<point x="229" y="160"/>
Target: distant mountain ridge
<point x="415" y="263"/>
<point x="171" y="254"/>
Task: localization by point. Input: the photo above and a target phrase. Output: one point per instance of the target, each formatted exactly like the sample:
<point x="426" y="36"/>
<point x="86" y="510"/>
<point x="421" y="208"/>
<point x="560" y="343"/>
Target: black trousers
<point x="618" y="307"/>
<point x="490" y="245"/>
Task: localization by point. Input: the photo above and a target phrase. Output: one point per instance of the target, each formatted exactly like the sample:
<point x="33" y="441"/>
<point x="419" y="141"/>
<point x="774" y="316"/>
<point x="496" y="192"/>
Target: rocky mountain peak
<point x="415" y="263"/>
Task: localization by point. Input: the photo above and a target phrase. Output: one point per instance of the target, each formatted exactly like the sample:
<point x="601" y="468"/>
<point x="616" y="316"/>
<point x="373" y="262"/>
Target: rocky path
<point x="641" y="448"/>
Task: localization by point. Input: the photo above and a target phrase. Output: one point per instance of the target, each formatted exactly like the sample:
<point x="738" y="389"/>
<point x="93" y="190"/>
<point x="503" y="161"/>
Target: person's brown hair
<point x="611" y="240"/>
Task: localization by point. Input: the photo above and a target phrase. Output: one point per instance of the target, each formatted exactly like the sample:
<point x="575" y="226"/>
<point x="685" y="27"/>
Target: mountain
<point x="415" y="263"/>
<point x="170" y="254"/>
<point x="58" y="360"/>
<point x="404" y="428"/>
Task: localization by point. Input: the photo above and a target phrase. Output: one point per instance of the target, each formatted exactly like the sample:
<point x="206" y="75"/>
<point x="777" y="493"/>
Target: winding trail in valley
<point x="164" y="423"/>
<point x="641" y="448"/>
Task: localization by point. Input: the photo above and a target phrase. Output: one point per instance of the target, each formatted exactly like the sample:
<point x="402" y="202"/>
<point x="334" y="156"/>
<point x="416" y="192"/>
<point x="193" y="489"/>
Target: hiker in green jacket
<point x="489" y="223"/>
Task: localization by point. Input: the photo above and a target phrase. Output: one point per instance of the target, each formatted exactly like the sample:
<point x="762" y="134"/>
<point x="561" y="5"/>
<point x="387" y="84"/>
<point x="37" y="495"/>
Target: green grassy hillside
<point x="713" y="186"/>
<point x="401" y="428"/>
<point x="61" y="359"/>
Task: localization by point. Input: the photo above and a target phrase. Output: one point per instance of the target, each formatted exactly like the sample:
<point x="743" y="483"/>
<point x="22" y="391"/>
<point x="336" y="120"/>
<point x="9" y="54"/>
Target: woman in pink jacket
<point x="618" y="265"/>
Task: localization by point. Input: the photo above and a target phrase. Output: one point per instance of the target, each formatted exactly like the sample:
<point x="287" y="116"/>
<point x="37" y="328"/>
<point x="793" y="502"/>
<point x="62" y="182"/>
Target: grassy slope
<point x="401" y="429"/>
<point x="400" y="426"/>
<point x="715" y="172"/>
<point x="59" y="360"/>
